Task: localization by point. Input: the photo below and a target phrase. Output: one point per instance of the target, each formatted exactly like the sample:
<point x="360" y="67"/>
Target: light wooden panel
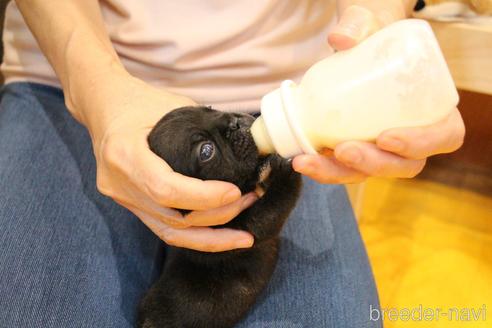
<point x="468" y="51"/>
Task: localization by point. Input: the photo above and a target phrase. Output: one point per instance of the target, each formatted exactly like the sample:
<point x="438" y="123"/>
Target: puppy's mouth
<point x="245" y="150"/>
<point x="264" y="171"/>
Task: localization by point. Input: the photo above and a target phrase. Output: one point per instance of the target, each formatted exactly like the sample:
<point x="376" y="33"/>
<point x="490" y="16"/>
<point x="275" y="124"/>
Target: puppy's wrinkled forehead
<point x="186" y="125"/>
<point x="207" y="144"/>
<point x="195" y="117"/>
<point x="174" y="134"/>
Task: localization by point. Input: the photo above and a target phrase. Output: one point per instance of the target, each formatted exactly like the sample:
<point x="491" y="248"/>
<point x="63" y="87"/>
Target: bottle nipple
<point x="261" y="137"/>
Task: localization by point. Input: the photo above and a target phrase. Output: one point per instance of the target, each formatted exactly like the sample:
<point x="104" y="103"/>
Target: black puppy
<point x="214" y="290"/>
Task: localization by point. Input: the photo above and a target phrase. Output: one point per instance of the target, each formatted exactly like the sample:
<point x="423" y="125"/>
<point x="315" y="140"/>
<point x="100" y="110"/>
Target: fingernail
<point x="350" y="155"/>
<point x="303" y="166"/>
<point x="392" y="144"/>
<point x="356" y="23"/>
<point x="244" y="242"/>
<point x="249" y="200"/>
<point x="231" y="196"/>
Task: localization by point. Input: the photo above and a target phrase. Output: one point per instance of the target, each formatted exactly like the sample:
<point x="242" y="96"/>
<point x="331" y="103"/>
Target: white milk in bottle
<point x="395" y="78"/>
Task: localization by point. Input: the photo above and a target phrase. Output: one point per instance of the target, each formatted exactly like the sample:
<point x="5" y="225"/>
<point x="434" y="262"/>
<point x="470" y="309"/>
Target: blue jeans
<point x="71" y="257"/>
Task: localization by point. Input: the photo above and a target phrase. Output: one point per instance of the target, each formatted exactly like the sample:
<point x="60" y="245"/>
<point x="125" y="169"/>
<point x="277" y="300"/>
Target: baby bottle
<point x="395" y="78"/>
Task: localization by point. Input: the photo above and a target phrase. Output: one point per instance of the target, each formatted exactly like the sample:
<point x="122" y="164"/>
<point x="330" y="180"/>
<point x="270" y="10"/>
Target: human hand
<point x="123" y="112"/>
<point x="399" y="152"/>
<point x="358" y="19"/>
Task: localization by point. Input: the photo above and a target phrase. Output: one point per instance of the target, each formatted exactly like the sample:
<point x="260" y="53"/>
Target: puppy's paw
<point x="157" y="319"/>
<point x="147" y="324"/>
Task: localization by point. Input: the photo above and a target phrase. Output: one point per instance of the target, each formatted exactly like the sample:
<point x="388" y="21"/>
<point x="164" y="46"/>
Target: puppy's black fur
<point x="215" y="290"/>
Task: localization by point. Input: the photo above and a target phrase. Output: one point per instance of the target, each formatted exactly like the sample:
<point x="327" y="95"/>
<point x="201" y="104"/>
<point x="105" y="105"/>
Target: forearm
<point x="72" y="36"/>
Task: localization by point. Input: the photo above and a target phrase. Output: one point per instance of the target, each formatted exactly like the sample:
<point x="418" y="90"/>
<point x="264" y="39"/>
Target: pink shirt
<point x="224" y="53"/>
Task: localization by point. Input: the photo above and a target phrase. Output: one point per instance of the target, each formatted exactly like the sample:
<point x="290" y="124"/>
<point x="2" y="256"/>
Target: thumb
<point x="355" y="24"/>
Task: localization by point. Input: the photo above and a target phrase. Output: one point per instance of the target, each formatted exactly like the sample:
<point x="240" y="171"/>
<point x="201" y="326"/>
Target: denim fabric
<point x="71" y="257"/>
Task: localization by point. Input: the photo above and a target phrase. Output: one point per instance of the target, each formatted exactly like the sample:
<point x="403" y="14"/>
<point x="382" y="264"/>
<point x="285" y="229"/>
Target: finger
<point x="372" y="161"/>
<point x="220" y="215"/>
<point x="200" y="238"/>
<point x="355" y="24"/>
<point x="420" y="142"/>
<point x="361" y="18"/>
<point x="325" y="169"/>
<point x="167" y="216"/>
<point x="171" y="189"/>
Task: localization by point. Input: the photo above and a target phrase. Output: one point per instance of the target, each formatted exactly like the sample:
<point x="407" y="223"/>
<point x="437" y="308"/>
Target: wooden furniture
<point x="468" y="52"/>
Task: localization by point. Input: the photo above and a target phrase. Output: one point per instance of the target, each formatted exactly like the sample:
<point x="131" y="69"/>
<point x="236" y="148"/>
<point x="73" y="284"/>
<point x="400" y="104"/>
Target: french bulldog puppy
<point x="216" y="290"/>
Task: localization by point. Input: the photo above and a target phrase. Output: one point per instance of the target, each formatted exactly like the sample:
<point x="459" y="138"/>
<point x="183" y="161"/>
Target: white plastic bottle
<point x="395" y="78"/>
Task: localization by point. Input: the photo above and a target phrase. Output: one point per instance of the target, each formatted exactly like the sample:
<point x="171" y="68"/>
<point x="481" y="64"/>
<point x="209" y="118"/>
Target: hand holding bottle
<point x="399" y="152"/>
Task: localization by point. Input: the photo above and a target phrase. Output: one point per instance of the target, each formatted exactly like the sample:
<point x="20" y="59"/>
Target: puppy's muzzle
<point x="240" y="136"/>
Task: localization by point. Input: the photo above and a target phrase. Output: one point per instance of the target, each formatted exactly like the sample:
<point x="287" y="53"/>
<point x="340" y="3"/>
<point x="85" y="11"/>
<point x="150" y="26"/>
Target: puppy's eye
<point x="206" y="151"/>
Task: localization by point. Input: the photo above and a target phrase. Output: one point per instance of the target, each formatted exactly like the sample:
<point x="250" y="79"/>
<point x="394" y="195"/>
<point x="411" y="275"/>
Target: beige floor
<point x="430" y="246"/>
